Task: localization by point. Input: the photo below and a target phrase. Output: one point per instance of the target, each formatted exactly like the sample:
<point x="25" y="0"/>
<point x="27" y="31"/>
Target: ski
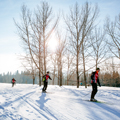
<point x="99" y="102"/>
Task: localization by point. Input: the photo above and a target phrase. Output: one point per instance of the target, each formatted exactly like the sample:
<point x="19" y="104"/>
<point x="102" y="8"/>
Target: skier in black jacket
<point x="94" y="81"/>
<point x="45" y="80"/>
<point x="13" y="82"/>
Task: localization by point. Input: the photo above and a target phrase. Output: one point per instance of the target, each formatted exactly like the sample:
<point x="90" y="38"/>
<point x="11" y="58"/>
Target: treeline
<point x="108" y="78"/>
<point x="111" y="79"/>
<point x="83" y="43"/>
<point x="19" y="77"/>
<point x="110" y="74"/>
<point x="25" y="77"/>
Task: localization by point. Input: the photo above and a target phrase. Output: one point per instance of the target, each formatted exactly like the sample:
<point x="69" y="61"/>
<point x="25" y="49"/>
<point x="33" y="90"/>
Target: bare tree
<point x="70" y="66"/>
<point x="29" y="67"/>
<point x="98" y="42"/>
<point x="84" y="57"/>
<point x="80" y="23"/>
<point x="113" y="30"/>
<point x="35" y="31"/>
<point x="53" y="58"/>
<point x="60" y="54"/>
<point x="29" y="36"/>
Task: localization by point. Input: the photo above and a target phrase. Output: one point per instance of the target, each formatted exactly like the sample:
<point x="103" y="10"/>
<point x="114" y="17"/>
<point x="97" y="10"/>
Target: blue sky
<point x="9" y="9"/>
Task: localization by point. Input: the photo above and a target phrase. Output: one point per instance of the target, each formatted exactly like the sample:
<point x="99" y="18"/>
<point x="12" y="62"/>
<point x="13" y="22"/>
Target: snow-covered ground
<point x="26" y="102"/>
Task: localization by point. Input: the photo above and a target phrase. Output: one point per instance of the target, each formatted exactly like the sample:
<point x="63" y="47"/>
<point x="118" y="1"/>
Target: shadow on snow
<point x="43" y="107"/>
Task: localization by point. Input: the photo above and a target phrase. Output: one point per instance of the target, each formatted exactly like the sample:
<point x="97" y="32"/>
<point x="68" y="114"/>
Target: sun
<point x="53" y="43"/>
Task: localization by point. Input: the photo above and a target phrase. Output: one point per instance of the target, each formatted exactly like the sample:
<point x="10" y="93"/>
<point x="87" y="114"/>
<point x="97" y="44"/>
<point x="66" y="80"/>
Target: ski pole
<point x="86" y="94"/>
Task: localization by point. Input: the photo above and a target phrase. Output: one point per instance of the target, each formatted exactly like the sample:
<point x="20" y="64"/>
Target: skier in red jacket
<point x="13" y="82"/>
<point x="94" y="81"/>
<point x="45" y="80"/>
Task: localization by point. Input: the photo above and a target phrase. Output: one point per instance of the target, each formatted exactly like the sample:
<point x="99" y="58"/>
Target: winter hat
<point x="97" y="68"/>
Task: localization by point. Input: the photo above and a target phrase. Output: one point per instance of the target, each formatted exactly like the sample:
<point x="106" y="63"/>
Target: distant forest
<point x="19" y="77"/>
<point x="25" y="77"/>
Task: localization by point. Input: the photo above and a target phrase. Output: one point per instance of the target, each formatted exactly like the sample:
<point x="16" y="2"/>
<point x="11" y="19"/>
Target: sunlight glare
<point x="53" y="43"/>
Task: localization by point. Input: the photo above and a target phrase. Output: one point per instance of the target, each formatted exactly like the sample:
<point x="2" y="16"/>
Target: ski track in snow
<point x="27" y="102"/>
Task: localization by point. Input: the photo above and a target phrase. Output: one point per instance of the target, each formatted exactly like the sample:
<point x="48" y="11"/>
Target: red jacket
<point x="95" y="78"/>
<point x="46" y="77"/>
<point x="13" y="80"/>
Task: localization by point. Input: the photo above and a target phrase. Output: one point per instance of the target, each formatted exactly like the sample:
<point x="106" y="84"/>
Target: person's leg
<point x="94" y="90"/>
<point x="46" y="85"/>
<point x="12" y="84"/>
<point x="43" y="86"/>
<point x="92" y="94"/>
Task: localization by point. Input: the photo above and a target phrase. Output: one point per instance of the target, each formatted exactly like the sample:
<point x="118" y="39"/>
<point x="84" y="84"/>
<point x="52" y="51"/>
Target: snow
<point x="27" y="102"/>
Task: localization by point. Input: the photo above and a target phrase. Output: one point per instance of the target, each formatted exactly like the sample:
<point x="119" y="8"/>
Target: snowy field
<point x="26" y="102"/>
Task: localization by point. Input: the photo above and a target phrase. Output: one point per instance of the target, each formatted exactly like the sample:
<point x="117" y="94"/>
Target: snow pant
<point x="94" y="90"/>
<point x="13" y="84"/>
<point x="45" y="86"/>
